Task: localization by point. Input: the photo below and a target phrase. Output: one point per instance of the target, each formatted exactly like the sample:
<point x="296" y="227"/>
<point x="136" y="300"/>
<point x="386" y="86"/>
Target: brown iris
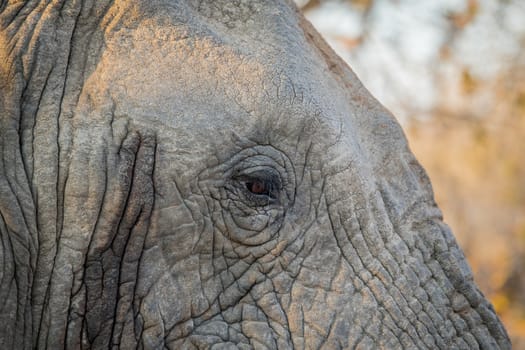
<point x="258" y="187"/>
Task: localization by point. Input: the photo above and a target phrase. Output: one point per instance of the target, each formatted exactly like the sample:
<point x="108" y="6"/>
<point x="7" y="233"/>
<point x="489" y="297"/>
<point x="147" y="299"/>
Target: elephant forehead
<point x="177" y="74"/>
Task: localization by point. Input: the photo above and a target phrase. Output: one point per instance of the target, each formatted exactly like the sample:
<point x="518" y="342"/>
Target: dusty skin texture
<point x="209" y="175"/>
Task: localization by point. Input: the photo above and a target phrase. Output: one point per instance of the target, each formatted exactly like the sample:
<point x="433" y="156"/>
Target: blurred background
<point x="453" y="73"/>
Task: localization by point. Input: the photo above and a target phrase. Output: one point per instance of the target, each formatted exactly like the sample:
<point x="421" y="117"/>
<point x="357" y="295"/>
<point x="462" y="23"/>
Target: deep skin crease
<point x="210" y="175"/>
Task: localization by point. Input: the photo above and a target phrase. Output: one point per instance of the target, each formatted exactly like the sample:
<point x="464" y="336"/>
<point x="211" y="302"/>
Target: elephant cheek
<point x="323" y="294"/>
<point x="177" y="278"/>
<point x="170" y="305"/>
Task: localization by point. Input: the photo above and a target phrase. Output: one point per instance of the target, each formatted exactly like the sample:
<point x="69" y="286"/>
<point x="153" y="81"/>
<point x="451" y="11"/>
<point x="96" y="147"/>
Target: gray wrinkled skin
<point x="210" y="175"/>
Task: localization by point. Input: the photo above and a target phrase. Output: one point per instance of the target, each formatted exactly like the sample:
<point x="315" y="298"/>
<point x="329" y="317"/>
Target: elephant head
<point x="210" y="175"/>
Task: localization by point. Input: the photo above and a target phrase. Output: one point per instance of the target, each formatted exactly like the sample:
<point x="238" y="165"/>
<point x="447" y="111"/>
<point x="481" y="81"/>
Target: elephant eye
<point x="262" y="189"/>
<point x="259" y="187"/>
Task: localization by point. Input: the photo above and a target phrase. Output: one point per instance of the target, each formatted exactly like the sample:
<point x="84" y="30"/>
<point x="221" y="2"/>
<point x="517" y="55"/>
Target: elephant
<point x="197" y="174"/>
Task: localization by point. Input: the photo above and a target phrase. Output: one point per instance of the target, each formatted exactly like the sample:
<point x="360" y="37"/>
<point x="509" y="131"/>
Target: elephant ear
<point x="38" y="92"/>
<point x="18" y="216"/>
<point x="405" y="255"/>
<point x="18" y="237"/>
